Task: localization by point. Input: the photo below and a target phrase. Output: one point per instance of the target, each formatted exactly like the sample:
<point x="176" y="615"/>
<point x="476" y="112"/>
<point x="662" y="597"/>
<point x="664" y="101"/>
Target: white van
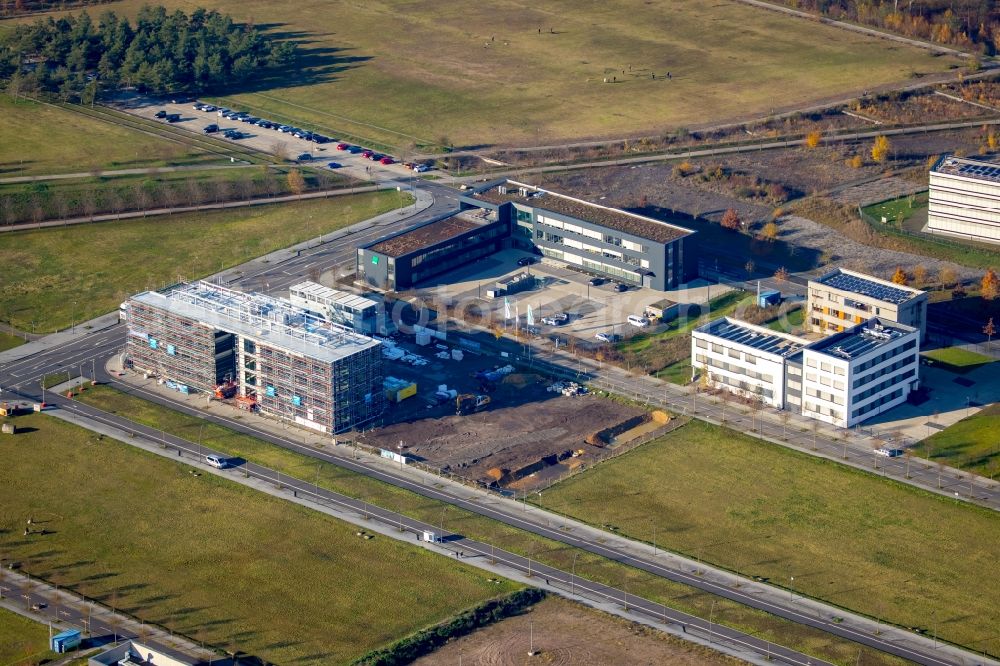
<point x="636" y="320"/>
<point x="218" y="462"/>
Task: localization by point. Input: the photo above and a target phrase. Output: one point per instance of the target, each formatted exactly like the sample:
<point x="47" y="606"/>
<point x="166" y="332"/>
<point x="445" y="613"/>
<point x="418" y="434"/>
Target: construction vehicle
<point x="226" y="390"/>
<point x="467" y="403"/>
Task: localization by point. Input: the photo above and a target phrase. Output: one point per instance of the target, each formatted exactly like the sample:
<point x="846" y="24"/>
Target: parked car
<point x="596" y="281"/>
<point x="619" y="287"/>
<point x="284" y="129"/>
<point x="218" y="462"/>
<point x="198" y="106"/>
<point x="222" y="112"/>
<point x="234" y="134"/>
<point x="161" y="114"/>
<point x="209" y="108"/>
<point x="250" y="120"/>
<point x="367" y="153"/>
<point x="354" y="150"/>
<point x="343" y="146"/>
<point x="420" y="168"/>
<point x="173" y="117"/>
<point x="557" y="319"/>
<point x="211" y="129"/>
<point x="387" y="160"/>
<point x="525" y="261"/>
<point x="319" y="138"/>
<point x="638" y="321"/>
<point x="304" y="157"/>
<point x="333" y="165"/>
<point x="608" y="337"/>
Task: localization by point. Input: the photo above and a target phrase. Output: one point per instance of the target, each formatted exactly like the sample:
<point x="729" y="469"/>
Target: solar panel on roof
<point x="859" y="285"/>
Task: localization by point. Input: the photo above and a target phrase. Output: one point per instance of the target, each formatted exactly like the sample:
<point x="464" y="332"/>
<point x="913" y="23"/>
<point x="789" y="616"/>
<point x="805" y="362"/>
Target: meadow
<point x="466" y="73"/>
<point x="556" y="554"/>
<point x="22" y="641"/>
<point x="55" y="277"/>
<point x="37" y="139"/>
<point x="214" y="560"/>
<point x="971" y="444"/>
<point x="845" y="536"/>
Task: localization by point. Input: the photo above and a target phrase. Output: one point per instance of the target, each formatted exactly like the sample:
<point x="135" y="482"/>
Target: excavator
<point x="468" y="403"/>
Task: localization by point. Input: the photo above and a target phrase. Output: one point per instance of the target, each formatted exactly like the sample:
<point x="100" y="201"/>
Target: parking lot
<point x="268" y="140"/>
<point x="592" y="309"/>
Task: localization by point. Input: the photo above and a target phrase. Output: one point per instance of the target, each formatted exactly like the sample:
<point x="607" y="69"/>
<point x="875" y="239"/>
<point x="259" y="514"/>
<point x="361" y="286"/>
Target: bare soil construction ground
<point x="565" y="632"/>
<point x="496" y="444"/>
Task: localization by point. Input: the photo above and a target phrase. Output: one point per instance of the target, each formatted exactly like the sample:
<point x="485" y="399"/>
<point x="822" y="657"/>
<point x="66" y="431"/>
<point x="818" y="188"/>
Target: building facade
<point x="399" y="262"/>
<point x="964" y="199"/>
<point x="609" y="242"/>
<point x="843" y="379"/>
<point x="283" y="360"/>
<point x="743" y="359"/>
<point x="842" y="299"/>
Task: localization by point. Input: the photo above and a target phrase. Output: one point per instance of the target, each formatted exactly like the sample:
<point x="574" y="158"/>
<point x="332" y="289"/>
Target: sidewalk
<point x="566" y="527"/>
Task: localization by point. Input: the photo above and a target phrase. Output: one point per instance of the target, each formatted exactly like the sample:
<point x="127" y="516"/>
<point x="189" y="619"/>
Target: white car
<point x="889" y="453"/>
<point x="556" y="320"/>
<point x="608" y="337"/>
<point x="218" y="462"/>
<point x="636" y="320"/>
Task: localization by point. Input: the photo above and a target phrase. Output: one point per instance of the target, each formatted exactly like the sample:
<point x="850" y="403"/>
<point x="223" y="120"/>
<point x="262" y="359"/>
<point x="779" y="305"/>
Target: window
<point x="700" y="344"/>
<point x="810" y="376"/>
<point x="826" y="367"/>
<point x="811" y="362"/>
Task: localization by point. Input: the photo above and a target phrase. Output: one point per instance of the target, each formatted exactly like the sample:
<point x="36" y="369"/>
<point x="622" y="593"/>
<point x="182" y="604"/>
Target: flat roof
<point x="271" y="321"/>
<point x="970" y="168"/>
<point x="763" y="339"/>
<point x="860" y="340"/>
<point x="428" y="234"/>
<point x="865" y="285"/>
<point x="605" y="216"/>
<point x="330" y="296"/>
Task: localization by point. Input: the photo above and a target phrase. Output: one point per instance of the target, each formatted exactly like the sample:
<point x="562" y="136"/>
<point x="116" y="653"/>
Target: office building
<point x="744" y="359"/>
<point x="283" y="360"/>
<point x="608" y="242"/>
<point x="841" y="299"/>
<point x="964" y="199"/>
<point x="842" y="379"/>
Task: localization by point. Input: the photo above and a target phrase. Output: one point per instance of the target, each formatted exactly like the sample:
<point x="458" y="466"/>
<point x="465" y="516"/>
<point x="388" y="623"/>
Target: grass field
<point x="53" y="277"/>
<point x="958" y="359"/>
<point x="214" y="560"/>
<point x="8" y="341"/>
<point x="508" y="72"/>
<point x="436" y="513"/>
<point x="21" y="640"/>
<point x="897" y="211"/>
<point x="40" y="139"/>
<point x="846" y="537"/>
<point x="971" y="444"/>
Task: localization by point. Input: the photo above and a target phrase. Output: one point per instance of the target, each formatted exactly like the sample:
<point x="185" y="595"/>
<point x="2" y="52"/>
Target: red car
<point x="367" y="153"/>
<point x="343" y="146"/>
<point x="387" y="160"/>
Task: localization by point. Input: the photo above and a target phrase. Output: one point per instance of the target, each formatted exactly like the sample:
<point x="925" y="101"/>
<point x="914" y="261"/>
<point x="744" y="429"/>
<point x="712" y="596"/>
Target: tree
<point x="989" y="331"/>
<point x="989" y="286"/>
<point x="881" y="148"/>
<point x="781" y="274"/>
<point x="731" y="220"/>
<point x="813" y="138"/>
<point x="296" y="183"/>
<point x="900" y="277"/>
<point x="856" y="162"/>
<point x="947" y="276"/>
<point x="769" y="232"/>
<point x="919" y="275"/>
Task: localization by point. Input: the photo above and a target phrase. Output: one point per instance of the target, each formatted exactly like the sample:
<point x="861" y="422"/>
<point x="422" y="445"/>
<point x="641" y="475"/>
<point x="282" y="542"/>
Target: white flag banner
<point x="531" y="317"/>
<point x="506" y="308"/>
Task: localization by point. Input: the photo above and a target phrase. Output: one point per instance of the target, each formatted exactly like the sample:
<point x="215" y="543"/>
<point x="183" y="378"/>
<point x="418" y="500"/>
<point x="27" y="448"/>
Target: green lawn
<point x="40" y="139"/>
<point x="55" y="277"/>
<point x="214" y="560"/>
<point x="436" y="513"/>
<point x="22" y="641"/>
<point x="791" y="321"/>
<point x="958" y="359"/>
<point x="897" y="211"/>
<point x="971" y="444"/>
<point x="846" y="536"/>
<point x="457" y="70"/>
<point x="8" y="341"/>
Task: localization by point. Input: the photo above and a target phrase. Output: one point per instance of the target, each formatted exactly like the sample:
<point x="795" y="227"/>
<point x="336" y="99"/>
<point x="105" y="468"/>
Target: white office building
<point x="744" y="359"/>
<point x="964" y="199"/>
<point x="841" y="299"/>
<point x="842" y="379"/>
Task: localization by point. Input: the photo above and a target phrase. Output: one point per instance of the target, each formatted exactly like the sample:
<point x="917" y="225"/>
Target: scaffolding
<point x="287" y="362"/>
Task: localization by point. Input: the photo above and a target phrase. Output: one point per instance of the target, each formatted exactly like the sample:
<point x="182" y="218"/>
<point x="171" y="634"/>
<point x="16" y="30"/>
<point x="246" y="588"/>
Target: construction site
<point x="264" y="353"/>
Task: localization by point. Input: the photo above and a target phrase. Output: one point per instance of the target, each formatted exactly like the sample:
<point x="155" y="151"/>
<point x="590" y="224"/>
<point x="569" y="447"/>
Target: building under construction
<point x="280" y="359"/>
